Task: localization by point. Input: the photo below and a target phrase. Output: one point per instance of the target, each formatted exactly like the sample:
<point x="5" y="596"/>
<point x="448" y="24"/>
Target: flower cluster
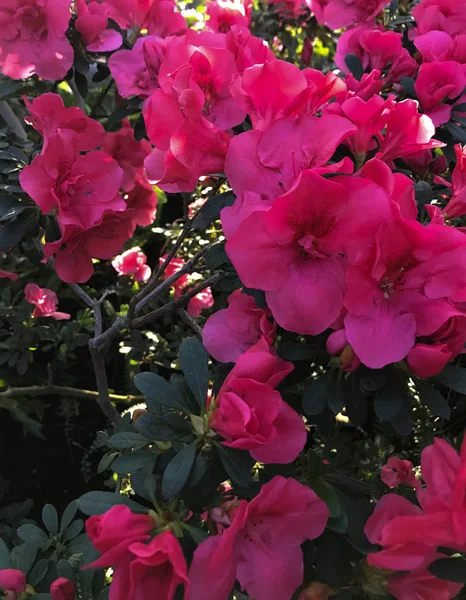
<point x="97" y="196"/>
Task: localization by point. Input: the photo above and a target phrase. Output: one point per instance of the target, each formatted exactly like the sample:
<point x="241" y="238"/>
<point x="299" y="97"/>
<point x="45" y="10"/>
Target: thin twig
<point x="190" y="322"/>
<point x="103" y="398"/>
<point x="82" y="294"/>
<point x="101" y="98"/>
<point x="63" y="390"/>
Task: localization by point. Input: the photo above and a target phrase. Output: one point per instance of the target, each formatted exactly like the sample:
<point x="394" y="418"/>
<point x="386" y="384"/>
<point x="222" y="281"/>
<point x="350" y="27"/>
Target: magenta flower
<point x="442" y="15"/>
<point x="141" y="202"/>
<point x="45" y="302"/>
<point x="397" y="472"/>
<point x="228" y="333"/>
<point x="422" y="584"/>
<point x="265" y="536"/>
<point x="12" y="580"/>
<point x="8" y="275"/>
<point x="92" y="24"/>
<point x="62" y="589"/>
<point x="49" y="116"/>
<point x="133" y="263"/>
<point x="297" y="251"/>
<point x="33" y="40"/>
<point x="343" y="13"/>
<point x="250" y="415"/>
<point x="457" y="205"/>
<point x="224" y="14"/>
<point x="81" y="188"/>
<point x="438" y="81"/>
<point x="201" y="301"/>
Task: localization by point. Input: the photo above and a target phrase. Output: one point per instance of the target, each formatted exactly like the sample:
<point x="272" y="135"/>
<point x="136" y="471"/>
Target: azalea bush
<point x="233" y="272"/>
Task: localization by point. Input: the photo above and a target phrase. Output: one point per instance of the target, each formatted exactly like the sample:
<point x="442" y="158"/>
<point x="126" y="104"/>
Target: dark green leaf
<point x="216" y="256"/>
<point x="156" y="428"/>
<point x="317" y="394"/>
<point x="423" y="193"/>
<point x="38" y="572"/>
<point x="74" y="530"/>
<point x="356" y="401"/>
<point x="9" y="87"/>
<point x="101" y="74"/>
<point x="141" y="460"/>
<point x="295" y="351"/>
<point x="451" y="569"/>
<point x="453" y="378"/>
<point x="81" y="84"/>
<point x="194" y="362"/>
<point x="80" y="544"/>
<point x="237" y="464"/>
<point x="23" y="556"/>
<point x="178" y="470"/>
<point x="158" y="391"/>
<point x="101" y="439"/>
<point x="65" y="570"/>
<point x="460" y="107"/>
<point x="354" y="64"/>
<point x="150" y="485"/>
<point x="127" y="440"/>
<point x="97" y="503"/>
<point x="13" y="231"/>
<point x="32" y="533"/>
<point x="328" y="495"/>
<point x="198" y="535"/>
<point x="433" y="399"/>
<point x="456" y="131"/>
<point x="388" y="402"/>
<point x="50" y="518"/>
<point x="408" y="84"/>
<point x="372" y="380"/>
<point x="10" y="207"/>
<point x="211" y="209"/>
<point x="68" y="515"/>
<point x="393" y="7"/>
<point x="140" y="128"/>
<point x="106" y="461"/>
<point x="4" y="556"/>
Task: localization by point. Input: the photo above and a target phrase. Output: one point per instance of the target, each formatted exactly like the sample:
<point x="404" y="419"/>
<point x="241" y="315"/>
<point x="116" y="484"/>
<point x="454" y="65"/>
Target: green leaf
<point x="194" y="362"/>
<point x="65" y="570"/>
<point x="388" y="402"/>
<point x="68" y="515"/>
<point x="101" y="439"/>
<point x="453" y="378"/>
<point x="354" y="64"/>
<point x="433" y="399"/>
<point x="23" y="556"/>
<point x="198" y="535"/>
<point x="106" y="461"/>
<point x="9" y="87"/>
<point x="328" y="495"/>
<point x="295" y="351"/>
<point x="32" y="533"/>
<point x="74" y="530"/>
<point x="356" y="401"/>
<point x="97" y="503"/>
<point x="5" y="562"/>
<point x="50" y="518"/>
<point x="237" y="464"/>
<point x="158" y="391"/>
<point x="372" y="380"/>
<point x="317" y="394"/>
<point x="456" y="131"/>
<point x="156" y="428"/>
<point x="407" y="84"/>
<point x="178" y="470"/>
<point x="13" y="232"/>
<point x="216" y="256"/>
<point x="150" y="485"/>
<point x="450" y="569"/>
<point x="79" y="545"/>
<point x="127" y="440"/>
<point x="38" y="572"/>
<point x="142" y="460"/>
<point x="211" y="209"/>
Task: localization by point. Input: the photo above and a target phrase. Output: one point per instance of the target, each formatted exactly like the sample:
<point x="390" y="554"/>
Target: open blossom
<point x="343" y="13"/>
<point x="80" y="187"/>
<point x="436" y="82"/>
<point x="421" y="583"/>
<point x="295" y="250"/>
<point x="264" y="536"/>
<point x="33" y="40"/>
<point x="136" y="71"/>
<point x="223" y="14"/>
<point x="92" y="24"/>
<point x="228" y="333"/>
<point x="45" y="302"/>
<point x="457" y="205"/>
<point x="62" y="589"/>
<point x="132" y="262"/>
<point x="141" y="202"/>
<point x="250" y="415"/>
<point x="398" y="471"/>
<point x="441" y="15"/>
<point x="201" y="301"/>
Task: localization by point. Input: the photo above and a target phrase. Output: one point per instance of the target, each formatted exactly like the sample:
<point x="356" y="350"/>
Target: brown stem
<point x="103" y="398"/>
<point x="190" y="322"/>
<point x="63" y="390"/>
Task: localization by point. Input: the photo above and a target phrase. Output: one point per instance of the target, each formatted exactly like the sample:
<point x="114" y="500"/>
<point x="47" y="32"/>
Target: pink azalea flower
<point x="136" y="71"/>
<point x="250" y="415"/>
<point x="12" y="580"/>
<point x="33" y="40"/>
<point x="408" y="132"/>
<point x="228" y="333"/>
<point x="62" y="589"/>
<point x="440" y="46"/>
<point x="370" y="84"/>
<point x="223" y="14"/>
<point x="133" y="263"/>
<point x="247" y="49"/>
<point x="130" y="14"/>
<point x="264" y="537"/>
<point x="129" y="153"/>
<point x="49" y="116"/>
<point x="296" y="253"/>
<point x="156" y="569"/>
<point x="397" y="472"/>
<point x="164" y="19"/>
<point x="290" y="8"/>
<point x="442" y="15"/>
<point x="141" y="202"/>
<point x="76" y="248"/>
<point x="337" y="345"/>
<point x="92" y="24"/>
<point x="45" y="302"/>
<point x="457" y="205"/>
<point x="436" y="82"/>
<point x="343" y="13"/>
<point x="82" y="188"/>
<point x="200" y="302"/>
<point x="420" y="583"/>
<point x="8" y="275"/>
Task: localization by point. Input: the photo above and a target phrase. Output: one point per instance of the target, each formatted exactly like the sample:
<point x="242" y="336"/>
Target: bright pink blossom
<point x="164" y="19"/>
<point x="223" y="14"/>
<point x="49" y="116"/>
<point x="128" y="152"/>
<point x="130" y="14"/>
<point x="440" y="46"/>
<point x="408" y="132"/>
<point x="141" y="202"/>
<point x="438" y="81"/>
<point x="45" y="302"/>
<point x="8" y="275"/>
<point x="343" y="13"/>
<point x="265" y="536"/>
<point x="156" y="569"/>
<point x="247" y="49"/>
<point x="296" y="253"/>
<point x="421" y="584"/>
<point x="82" y="188"/>
<point x="201" y="301"/>
<point x="228" y="333"/>
<point x="12" y="580"/>
<point x="398" y="471"/>
<point x="62" y="589"/>
<point x="442" y="15"/>
<point x="133" y="263"/>
<point x="457" y="205"/>
<point x="33" y="40"/>
<point x="136" y="71"/>
<point x="250" y="415"/>
<point x="92" y="24"/>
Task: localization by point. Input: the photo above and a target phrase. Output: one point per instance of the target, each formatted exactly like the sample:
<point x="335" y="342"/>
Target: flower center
<point x="30" y="23"/>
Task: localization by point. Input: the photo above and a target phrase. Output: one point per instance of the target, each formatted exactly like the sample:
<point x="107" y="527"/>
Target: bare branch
<point x="63" y="390"/>
<point x="103" y="398"/>
<point x="190" y="322"/>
